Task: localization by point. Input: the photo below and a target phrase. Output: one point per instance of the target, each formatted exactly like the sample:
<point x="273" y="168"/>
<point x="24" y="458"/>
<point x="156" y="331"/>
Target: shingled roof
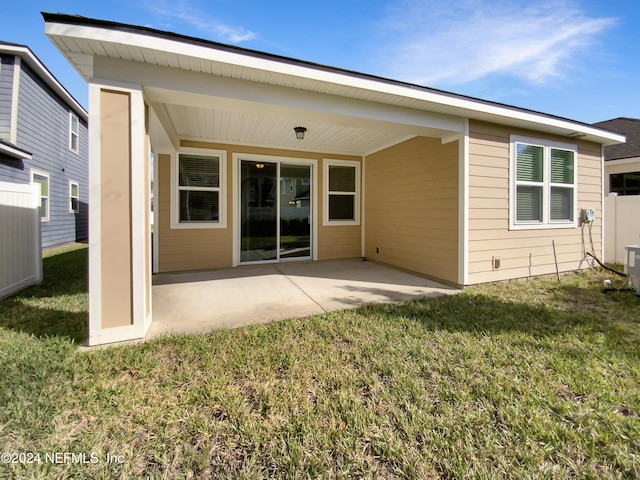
<point x="627" y="126"/>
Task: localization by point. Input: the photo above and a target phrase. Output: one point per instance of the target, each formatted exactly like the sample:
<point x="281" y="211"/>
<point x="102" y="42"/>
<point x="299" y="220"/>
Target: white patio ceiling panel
<point x="271" y="131"/>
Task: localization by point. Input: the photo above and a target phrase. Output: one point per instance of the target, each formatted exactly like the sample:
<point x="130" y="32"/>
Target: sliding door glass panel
<point x="258" y="211"/>
<point x="295" y="211"/>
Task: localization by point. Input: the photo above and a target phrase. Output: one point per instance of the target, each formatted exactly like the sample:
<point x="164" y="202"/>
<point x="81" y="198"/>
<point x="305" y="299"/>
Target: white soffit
<point x="77" y="41"/>
<point x="245" y="128"/>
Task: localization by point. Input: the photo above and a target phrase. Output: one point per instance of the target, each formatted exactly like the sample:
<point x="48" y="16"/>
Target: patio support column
<point x="119" y="239"/>
<point x="463" y="206"/>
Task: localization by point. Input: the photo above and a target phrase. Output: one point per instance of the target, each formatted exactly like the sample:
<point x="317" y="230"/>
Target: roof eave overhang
<point x="43" y="72"/>
<point x="15" y="152"/>
<point x="139" y="40"/>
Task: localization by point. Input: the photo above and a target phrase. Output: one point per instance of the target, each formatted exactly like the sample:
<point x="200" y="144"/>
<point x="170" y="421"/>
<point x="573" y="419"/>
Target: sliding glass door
<point x="275" y="211"/>
<point x="295" y="211"/>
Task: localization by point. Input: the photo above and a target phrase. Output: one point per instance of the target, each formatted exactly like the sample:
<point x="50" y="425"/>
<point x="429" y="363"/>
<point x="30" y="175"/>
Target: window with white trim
<point x="42" y="178"/>
<point x="543" y="184"/>
<point x="74" y="133"/>
<point x="198" y="187"/>
<point x="74" y="197"/>
<point x="341" y="192"/>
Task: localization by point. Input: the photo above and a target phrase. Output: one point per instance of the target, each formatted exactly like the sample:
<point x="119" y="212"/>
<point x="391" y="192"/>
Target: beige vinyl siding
<point x="189" y="249"/>
<point x="343" y="241"/>
<point x="629" y="166"/>
<point x="411" y="212"/>
<point x="195" y="249"/>
<point x="115" y="219"/>
<point x="522" y="253"/>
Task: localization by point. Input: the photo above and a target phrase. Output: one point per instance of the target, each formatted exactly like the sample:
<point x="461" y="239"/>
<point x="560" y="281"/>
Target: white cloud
<point x="183" y="11"/>
<point x="464" y="40"/>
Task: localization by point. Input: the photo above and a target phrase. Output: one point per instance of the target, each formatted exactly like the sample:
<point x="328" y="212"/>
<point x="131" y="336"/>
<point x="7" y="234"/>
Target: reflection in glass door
<point x="295" y="211"/>
<point x="275" y="211"/>
<point x="258" y="211"/>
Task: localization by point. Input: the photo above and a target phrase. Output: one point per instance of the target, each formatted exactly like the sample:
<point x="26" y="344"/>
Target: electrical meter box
<point x="632" y="265"/>
<point x="588" y="215"/>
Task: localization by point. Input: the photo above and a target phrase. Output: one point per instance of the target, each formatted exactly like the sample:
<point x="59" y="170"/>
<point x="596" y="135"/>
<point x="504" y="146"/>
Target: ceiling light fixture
<point x="299" y="132"/>
<point x="259" y="165"/>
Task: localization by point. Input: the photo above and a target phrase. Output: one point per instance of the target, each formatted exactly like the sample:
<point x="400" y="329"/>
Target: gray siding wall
<point x="6" y="86"/>
<point x="43" y="130"/>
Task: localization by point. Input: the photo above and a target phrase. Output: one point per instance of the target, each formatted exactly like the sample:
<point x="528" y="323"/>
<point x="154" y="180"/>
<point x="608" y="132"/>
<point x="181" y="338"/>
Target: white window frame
<point x="546" y="185"/>
<point x="325" y="201"/>
<point x="175" y="190"/>
<point x="72" y="196"/>
<point x="33" y="172"/>
<point x="73" y="134"/>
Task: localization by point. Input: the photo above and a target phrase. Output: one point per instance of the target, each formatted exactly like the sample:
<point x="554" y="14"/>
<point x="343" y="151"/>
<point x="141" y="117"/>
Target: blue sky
<point x="576" y="59"/>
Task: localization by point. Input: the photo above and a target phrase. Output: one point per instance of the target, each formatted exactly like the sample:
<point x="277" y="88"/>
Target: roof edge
<point x="24" y="52"/>
<point x="14" y="151"/>
<point x="474" y="104"/>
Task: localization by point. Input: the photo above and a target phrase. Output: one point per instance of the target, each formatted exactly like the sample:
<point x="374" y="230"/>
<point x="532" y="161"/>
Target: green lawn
<point x="526" y="379"/>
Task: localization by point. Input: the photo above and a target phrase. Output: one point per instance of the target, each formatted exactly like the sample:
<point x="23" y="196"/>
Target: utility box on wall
<point x="632" y="265"/>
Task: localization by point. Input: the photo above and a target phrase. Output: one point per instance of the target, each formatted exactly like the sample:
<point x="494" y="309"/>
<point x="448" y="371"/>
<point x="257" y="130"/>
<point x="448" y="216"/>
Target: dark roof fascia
<point x="39" y="64"/>
<point x="11" y="44"/>
<point x="110" y="25"/>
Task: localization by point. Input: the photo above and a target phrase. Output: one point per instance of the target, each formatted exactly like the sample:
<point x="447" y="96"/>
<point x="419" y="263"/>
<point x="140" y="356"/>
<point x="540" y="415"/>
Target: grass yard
<point x="524" y="379"/>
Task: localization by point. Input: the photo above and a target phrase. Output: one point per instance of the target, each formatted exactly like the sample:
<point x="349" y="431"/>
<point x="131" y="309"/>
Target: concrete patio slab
<point x="228" y="298"/>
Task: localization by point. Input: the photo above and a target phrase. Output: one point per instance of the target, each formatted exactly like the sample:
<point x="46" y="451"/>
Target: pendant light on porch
<point x="299" y="132"/>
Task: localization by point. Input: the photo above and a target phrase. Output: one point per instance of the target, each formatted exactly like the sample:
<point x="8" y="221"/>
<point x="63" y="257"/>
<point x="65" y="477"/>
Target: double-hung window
<point x="543" y="184"/>
<point x="341" y="192"/>
<point x="74" y="197"/>
<point x="42" y="178"/>
<point x="74" y="133"/>
<point x="198" y="181"/>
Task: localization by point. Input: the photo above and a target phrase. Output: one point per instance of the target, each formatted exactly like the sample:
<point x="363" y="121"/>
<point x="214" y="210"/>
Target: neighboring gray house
<point x="43" y="139"/>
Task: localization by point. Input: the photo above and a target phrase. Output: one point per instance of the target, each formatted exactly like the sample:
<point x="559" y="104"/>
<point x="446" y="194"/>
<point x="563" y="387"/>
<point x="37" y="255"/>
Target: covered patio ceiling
<point x="266" y="129"/>
<point x="180" y="115"/>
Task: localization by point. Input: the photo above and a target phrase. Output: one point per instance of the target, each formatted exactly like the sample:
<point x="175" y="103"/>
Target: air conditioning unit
<point x="632" y="267"/>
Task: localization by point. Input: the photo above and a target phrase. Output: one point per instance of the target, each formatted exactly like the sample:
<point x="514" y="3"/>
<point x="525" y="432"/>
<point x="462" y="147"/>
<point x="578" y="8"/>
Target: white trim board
<point x="174" y="210"/>
<point x="15" y="100"/>
<point x="463" y="205"/>
<point x="326" y="163"/>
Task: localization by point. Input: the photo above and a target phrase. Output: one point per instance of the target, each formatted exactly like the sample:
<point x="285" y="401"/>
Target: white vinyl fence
<point x="622" y="225"/>
<point x="20" y="238"/>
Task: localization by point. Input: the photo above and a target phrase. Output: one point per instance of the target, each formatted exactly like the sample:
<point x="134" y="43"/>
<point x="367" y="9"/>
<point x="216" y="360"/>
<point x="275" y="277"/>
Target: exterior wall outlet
<point x="496" y="263"/>
<point x="377" y="250"/>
